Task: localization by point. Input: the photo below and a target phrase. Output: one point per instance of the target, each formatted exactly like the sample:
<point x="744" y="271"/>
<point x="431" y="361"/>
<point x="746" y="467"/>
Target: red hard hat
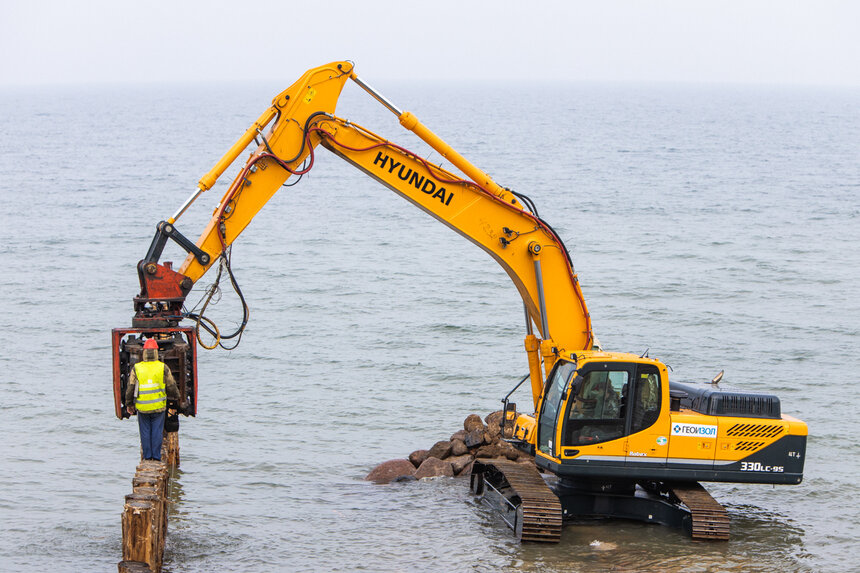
<point x="150" y="344"/>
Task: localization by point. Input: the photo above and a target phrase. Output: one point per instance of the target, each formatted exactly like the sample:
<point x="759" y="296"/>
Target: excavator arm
<point x="494" y="218"/>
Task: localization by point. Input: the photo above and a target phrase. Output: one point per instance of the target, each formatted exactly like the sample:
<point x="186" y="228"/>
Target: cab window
<point x="597" y="411"/>
<point x="553" y="395"/>
<point x="646" y="405"/>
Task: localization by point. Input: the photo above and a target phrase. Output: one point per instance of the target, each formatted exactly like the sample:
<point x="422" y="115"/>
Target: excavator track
<point x="710" y="520"/>
<point x="528" y="505"/>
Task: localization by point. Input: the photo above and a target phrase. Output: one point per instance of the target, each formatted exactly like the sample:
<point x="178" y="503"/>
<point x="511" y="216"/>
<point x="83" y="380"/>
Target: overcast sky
<point x="782" y="42"/>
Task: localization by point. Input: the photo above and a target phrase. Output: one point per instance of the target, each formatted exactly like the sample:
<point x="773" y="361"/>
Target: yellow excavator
<point x="612" y="435"/>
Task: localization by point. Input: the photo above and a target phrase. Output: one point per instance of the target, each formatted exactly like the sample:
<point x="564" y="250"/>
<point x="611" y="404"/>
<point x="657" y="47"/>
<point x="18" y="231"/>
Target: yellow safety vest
<point x="151" y="395"/>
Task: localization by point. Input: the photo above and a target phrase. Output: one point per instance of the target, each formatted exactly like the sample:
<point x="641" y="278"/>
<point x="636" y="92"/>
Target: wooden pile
<point x="144" y="516"/>
<point x="170" y="449"/>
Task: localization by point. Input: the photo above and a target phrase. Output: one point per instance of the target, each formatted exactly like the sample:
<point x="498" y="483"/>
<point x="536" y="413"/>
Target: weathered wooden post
<point x="144" y="519"/>
<point x="170" y="449"/>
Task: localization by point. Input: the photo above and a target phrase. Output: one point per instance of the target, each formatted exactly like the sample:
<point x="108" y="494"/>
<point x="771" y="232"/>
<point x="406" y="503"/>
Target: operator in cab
<point x="150" y="383"/>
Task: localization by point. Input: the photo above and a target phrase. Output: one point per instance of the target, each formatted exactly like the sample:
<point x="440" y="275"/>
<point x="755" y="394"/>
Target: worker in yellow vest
<point x="150" y="383"/>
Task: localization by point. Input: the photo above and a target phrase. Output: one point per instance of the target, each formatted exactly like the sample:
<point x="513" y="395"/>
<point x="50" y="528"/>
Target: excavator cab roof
<point x="600" y="355"/>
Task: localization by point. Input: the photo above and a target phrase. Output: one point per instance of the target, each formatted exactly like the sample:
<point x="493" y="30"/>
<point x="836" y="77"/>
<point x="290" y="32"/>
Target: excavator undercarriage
<point x="535" y="506"/>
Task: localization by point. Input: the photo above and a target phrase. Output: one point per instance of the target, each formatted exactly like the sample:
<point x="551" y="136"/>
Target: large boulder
<point x="458" y="448"/>
<point x="509" y="451"/>
<point x="466" y="471"/>
<point x="491" y="437"/>
<point x="495" y="419"/>
<point x="418" y="456"/>
<point x="440" y="450"/>
<point x="434" y="467"/>
<point x="386" y="472"/>
<point x="489" y="451"/>
<point x="474" y="438"/>
<point x="473" y="422"/>
<point x="459" y="435"/>
<point x="459" y="463"/>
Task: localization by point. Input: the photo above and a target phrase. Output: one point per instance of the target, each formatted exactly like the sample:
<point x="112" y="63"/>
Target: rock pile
<point x="454" y="457"/>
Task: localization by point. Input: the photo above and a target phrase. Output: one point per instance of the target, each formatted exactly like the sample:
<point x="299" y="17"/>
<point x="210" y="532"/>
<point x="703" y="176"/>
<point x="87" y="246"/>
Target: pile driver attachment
<point x="177" y="348"/>
<point x="158" y="310"/>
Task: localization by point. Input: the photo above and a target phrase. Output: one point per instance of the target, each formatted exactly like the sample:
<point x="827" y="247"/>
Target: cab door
<point x="648" y="443"/>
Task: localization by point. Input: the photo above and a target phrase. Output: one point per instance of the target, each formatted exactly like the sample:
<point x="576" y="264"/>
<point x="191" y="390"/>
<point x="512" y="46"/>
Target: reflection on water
<point x="176" y="494"/>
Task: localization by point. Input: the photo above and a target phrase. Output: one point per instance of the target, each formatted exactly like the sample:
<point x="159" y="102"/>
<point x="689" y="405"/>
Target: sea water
<point x="717" y="227"/>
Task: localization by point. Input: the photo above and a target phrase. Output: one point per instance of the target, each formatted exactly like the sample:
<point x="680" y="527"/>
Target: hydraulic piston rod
<point x="411" y="123"/>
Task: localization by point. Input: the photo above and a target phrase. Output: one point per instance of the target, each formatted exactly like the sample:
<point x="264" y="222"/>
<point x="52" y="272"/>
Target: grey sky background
<point x="774" y="42"/>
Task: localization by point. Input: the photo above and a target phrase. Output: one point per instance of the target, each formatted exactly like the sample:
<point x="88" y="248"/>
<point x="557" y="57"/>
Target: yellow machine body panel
<point x="740" y="437"/>
<point x="525" y="429"/>
<point x="692" y="436"/>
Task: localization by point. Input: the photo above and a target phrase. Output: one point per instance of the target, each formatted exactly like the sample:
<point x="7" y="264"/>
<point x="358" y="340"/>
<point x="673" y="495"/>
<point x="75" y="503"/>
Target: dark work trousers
<point x="151" y="433"/>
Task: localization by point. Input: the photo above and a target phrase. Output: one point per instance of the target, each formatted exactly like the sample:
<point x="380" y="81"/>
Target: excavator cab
<point x="594" y="406"/>
<point x="603" y="397"/>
